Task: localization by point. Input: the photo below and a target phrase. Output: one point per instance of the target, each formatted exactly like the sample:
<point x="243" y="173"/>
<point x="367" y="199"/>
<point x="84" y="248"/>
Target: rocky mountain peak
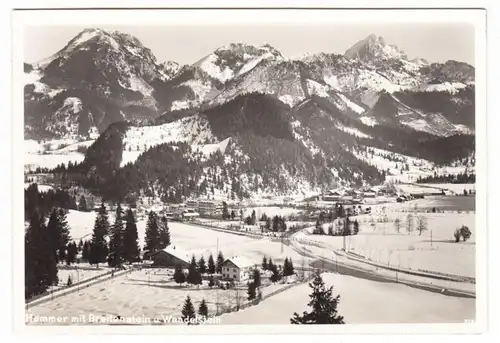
<point x="374" y="48"/>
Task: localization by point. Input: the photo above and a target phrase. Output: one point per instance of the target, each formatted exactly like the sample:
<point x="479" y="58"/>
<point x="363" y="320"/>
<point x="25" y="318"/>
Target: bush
<point x="457" y="235"/>
<point x="465" y="232"/>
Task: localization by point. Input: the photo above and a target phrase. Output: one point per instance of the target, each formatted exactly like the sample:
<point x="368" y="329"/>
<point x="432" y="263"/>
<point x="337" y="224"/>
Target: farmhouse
<point x="236" y="268"/>
<point x="171" y="256"/>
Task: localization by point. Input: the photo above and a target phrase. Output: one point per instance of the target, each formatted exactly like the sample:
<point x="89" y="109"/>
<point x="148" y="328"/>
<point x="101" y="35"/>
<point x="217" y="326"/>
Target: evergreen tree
<point x="179" y="276"/>
<point x="268" y="224"/>
<point x="152" y="240"/>
<point x="220" y="261"/>
<point x="211" y="265"/>
<point x="203" y="309"/>
<point x="71" y="255"/>
<point x="233" y="214"/>
<point x="355" y="227"/>
<point x="115" y="257"/>
<point x="270" y="265"/>
<point x="86" y="251"/>
<point x="202" y="267"/>
<point x="323" y="304"/>
<point x="40" y="265"/>
<point x="188" y="311"/>
<point x="194" y="276"/>
<point x="225" y="212"/>
<point x="256" y="278"/>
<point x="130" y="236"/>
<point x="211" y="282"/>
<point x="253" y="219"/>
<point x="251" y="291"/>
<point x="70" y="281"/>
<point x="80" y="245"/>
<point x="164" y="233"/>
<point x="288" y="267"/>
<point x="276" y="276"/>
<point x="58" y="230"/>
<point x="98" y="247"/>
<point x="264" y="263"/>
<point x="82" y="204"/>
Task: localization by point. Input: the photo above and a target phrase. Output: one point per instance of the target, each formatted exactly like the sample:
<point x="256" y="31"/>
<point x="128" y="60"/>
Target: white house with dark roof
<point x="237" y="268"/>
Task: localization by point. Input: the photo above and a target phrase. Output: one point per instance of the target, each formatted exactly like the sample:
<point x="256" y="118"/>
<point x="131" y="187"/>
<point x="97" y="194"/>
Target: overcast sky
<point x="187" y="44"/>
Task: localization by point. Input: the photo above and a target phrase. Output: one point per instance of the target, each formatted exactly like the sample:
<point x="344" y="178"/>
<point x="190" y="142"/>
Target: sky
<point x="187" y="44"/>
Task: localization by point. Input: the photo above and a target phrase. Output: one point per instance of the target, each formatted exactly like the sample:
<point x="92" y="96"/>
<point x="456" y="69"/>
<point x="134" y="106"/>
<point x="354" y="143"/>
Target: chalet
<point x="237" y="268"/>
<point x="172" y="257"/>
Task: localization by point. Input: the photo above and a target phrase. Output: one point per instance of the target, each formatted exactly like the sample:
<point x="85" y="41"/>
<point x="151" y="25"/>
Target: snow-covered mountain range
<point x="317" y="113"/>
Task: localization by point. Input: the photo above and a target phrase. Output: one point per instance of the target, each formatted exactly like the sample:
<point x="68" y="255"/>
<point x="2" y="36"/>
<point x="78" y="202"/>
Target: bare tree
<point x="409" y="223"/>
<point x="421" y="224"/>
<point x="397" y="225"/>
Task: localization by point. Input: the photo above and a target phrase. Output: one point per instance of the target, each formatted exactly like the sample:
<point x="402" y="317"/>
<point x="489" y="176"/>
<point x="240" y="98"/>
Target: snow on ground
<point x="287" y="99"/>
<point x="192" y="130"/>
<point x="352" y="131"/>
<point x="208" y="149"/>
<point x="370" y="121"/>
<point x="455" y="187"/>
<point x="143" y="293"/>
<point x="31" y="161"/>
<point x="209" y="65"/>
<point x="353" y="106"/>
<point x="41" y="188"/>
<point x="434" y="250"/>
<point x="79" y="272"/>
<point x="270" y="211"/>
<point x="197" y="240"/>
<point x="361" y="302"/>
<point x="315" y="88"/>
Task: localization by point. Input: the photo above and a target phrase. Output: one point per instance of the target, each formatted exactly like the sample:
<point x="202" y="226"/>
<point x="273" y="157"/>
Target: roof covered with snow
<point x="240" y="262"/>
<point x="179" y="253"/>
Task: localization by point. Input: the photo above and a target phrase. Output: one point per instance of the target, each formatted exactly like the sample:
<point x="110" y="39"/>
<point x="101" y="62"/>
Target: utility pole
<point x="431" y="238"/>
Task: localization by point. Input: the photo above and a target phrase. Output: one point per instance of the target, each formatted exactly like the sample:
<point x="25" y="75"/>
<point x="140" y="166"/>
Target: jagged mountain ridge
<point x="115" y="78"/>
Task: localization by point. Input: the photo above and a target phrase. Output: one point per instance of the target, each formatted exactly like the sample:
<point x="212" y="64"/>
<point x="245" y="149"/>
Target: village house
<point x="171" y="257"/>
<point x="237" y="268"/>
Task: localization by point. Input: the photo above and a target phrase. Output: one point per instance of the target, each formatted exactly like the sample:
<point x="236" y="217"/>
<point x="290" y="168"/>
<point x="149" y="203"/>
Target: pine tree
<point x="253" y="218"/>
<point x="130" y="236"/>
<point x="203" y="309"/>
<point x="98" y="247"/>
<point x="179" y="276"/>
<point x="323" y="304"/>
<point x="202" y="267"/>
<point x="71" y="255"/>
<point x="188" y="311"/>
<point x="194" y="276"/>
<point x="285" y="267"/>
<point x="86" y="251"/>
<point x="211" y="265"/>
<point x="256" y="278"/>
<point x="58" y="229"/>
<point x="270" y="265"/>
<point x="225" y="212"/>
<point x="40" y="265"/>
<point x="264" y="263"/>
<point x="276" y="276"/>
<point x="251" y="291"/>
<point x="115" y="257"/>
<point x="355" y="227"/>
<point x="291" y="270"/>
<point x="211" y="282"/>
<point x="164" y="233"/>
<point x="80" y="245"/>
<point x="82" y="204"/>
<point x="220" y="262"/>
<point x="152" y="240"/>
<point x="70" y="281"/>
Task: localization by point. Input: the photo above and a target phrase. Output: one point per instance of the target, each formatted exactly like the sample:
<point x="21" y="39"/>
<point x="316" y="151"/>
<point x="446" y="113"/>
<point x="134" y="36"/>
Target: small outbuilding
<point x="172" y="257"/>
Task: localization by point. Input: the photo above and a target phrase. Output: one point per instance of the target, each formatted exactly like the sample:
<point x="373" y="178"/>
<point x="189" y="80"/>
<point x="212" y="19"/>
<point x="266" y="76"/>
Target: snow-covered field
<point x="149" y="292"/>
<point x="361" y="302"/>
<point x="196" y="240"/>
<point x="435" y="250"/>
<point x="79" y="272"/>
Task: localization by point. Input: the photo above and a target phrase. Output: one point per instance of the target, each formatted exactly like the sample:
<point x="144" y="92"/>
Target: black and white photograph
<point x="271" y="168"/>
